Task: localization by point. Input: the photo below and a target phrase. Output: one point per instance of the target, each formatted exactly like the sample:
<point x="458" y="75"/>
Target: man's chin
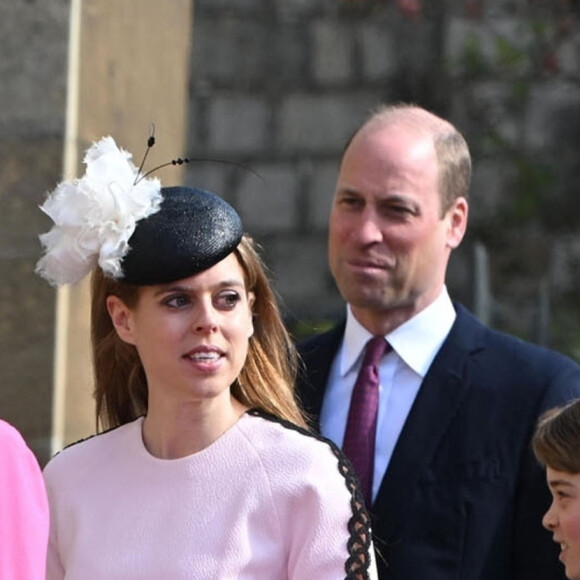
<point x="376" y="302"/>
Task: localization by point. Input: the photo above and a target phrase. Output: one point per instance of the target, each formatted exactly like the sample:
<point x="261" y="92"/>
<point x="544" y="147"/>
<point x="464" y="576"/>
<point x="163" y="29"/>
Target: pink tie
<point x="361" y="426"/>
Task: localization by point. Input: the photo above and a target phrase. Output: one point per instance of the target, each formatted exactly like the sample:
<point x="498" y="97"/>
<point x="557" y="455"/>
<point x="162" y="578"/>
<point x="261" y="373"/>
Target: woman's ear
<point x="121" y="317"/>
<point x="251" y="300"/>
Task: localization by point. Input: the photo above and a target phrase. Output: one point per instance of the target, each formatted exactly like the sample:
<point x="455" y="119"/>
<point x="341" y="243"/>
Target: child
<point x="556" y="445"/>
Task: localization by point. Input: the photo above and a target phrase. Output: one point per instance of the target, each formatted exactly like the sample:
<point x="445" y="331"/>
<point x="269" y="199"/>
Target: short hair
<point x="451" y="149"/>
<point x="556" y="441"/>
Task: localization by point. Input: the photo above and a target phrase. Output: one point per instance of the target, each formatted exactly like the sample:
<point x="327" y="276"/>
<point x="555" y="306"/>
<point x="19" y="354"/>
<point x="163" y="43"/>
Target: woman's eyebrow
<point x="186" y="288"/>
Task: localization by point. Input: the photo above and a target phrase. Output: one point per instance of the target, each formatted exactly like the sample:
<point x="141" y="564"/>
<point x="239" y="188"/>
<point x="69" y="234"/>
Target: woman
<point x="23" y="509"/>
<point x="556" y="444"/>
<point x="206" y="470"/>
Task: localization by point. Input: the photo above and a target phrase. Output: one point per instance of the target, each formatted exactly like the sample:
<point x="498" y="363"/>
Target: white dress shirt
<point x="415" y="344"/>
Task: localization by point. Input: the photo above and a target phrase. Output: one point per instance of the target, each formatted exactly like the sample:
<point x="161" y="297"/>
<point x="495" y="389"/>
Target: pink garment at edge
<point x="23" y="510"/>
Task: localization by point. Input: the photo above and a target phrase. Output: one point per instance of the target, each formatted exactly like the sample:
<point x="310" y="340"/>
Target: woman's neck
<point x="174" y="431"/>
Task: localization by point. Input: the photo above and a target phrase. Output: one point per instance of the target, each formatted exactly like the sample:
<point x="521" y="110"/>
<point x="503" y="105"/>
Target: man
<point x="454" y="492"/>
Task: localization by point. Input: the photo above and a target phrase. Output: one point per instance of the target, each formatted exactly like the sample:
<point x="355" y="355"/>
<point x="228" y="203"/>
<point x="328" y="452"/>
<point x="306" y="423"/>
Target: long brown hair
<point x="267" y="378"/>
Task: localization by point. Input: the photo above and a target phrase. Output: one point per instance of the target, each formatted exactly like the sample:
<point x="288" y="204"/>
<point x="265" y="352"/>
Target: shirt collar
<point x="417" y="341"/>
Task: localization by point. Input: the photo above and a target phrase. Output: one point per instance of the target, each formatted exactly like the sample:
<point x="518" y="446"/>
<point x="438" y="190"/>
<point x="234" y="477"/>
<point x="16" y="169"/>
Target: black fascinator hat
<point x="192" y="231"/>
<point x="135" y="230"/>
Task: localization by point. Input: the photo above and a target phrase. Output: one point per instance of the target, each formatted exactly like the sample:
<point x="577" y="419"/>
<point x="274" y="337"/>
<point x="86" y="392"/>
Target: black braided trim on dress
<point x="94" y="435"/>
<point x="359" y="525"/>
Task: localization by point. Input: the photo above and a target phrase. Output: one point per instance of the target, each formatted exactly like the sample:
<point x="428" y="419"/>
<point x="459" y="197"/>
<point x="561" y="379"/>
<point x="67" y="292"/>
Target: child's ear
<point x="121" y="317"/>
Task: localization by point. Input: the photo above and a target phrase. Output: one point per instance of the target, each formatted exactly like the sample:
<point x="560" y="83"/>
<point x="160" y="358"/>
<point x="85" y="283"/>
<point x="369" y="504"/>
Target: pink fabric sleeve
<point x="23" y="510"/>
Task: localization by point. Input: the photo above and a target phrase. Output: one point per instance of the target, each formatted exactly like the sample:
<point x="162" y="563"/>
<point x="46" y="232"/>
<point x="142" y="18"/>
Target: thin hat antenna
<point x="182" y="160"/>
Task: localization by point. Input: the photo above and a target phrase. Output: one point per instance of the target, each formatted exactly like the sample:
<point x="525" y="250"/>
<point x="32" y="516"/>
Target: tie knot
<point x="374" y="350"/>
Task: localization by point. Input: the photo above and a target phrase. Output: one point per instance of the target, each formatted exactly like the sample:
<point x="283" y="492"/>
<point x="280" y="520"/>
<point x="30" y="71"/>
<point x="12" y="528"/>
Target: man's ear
<point x="458" y="222"/>
<point x="121" y="317"/>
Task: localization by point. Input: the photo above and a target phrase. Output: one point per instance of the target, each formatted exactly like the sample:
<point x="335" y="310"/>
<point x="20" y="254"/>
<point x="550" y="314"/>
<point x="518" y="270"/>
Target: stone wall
<point x="279" y="85"/>
<point x="33" y="56"/>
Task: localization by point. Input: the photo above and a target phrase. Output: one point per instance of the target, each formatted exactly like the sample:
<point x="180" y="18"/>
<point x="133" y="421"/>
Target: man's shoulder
<point x="503" y="350"/>
<point x="329" y="338"/>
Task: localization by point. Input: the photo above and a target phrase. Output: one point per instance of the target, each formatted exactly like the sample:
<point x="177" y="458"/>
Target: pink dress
<point x="23" y="510"/>
<point x="265" y="501"/>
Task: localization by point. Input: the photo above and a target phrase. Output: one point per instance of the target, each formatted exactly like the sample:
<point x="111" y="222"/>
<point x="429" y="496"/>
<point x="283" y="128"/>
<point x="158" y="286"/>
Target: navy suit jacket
<point x="463" y="496"/>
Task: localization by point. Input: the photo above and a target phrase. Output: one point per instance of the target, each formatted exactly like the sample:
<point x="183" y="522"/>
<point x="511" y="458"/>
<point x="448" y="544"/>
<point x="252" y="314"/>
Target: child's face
<point x="563" y="518"/>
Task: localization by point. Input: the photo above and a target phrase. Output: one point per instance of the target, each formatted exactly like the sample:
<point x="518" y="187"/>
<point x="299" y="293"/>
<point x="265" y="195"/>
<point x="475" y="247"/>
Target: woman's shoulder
<point x="14" y="450"/>
<point x="10" y="437"/>
<point x="288" y="449"/>
<point x="314" y="491"/>
<point x="91" y="451"/>
<point x="273" y="430"/>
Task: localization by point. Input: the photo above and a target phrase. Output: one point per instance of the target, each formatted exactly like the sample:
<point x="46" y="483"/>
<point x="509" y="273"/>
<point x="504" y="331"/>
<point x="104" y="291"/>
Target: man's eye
<point x="350" y="202"/>
<point x="397" y="211"/>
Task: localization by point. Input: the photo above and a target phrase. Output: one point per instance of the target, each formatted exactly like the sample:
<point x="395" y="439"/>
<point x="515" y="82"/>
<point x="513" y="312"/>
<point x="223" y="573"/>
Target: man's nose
<point x="369" y="228"/>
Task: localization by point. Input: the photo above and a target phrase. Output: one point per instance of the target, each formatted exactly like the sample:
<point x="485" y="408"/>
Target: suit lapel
<point x="439" y="399"/>
<point x="317" y="357"/>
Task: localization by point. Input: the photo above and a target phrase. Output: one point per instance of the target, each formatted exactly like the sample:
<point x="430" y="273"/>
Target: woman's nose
<point x="205" y="319"/>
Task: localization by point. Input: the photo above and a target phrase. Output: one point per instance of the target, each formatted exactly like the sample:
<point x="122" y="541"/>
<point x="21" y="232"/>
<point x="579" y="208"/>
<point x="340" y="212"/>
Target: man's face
<point x="563" y="518"/>
<point x="388" y="243"/>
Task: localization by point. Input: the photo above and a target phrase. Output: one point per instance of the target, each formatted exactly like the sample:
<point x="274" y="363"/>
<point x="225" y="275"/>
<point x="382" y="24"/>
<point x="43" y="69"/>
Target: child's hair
<point x="265" y="382"/>
<point x="556" y="442"/>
